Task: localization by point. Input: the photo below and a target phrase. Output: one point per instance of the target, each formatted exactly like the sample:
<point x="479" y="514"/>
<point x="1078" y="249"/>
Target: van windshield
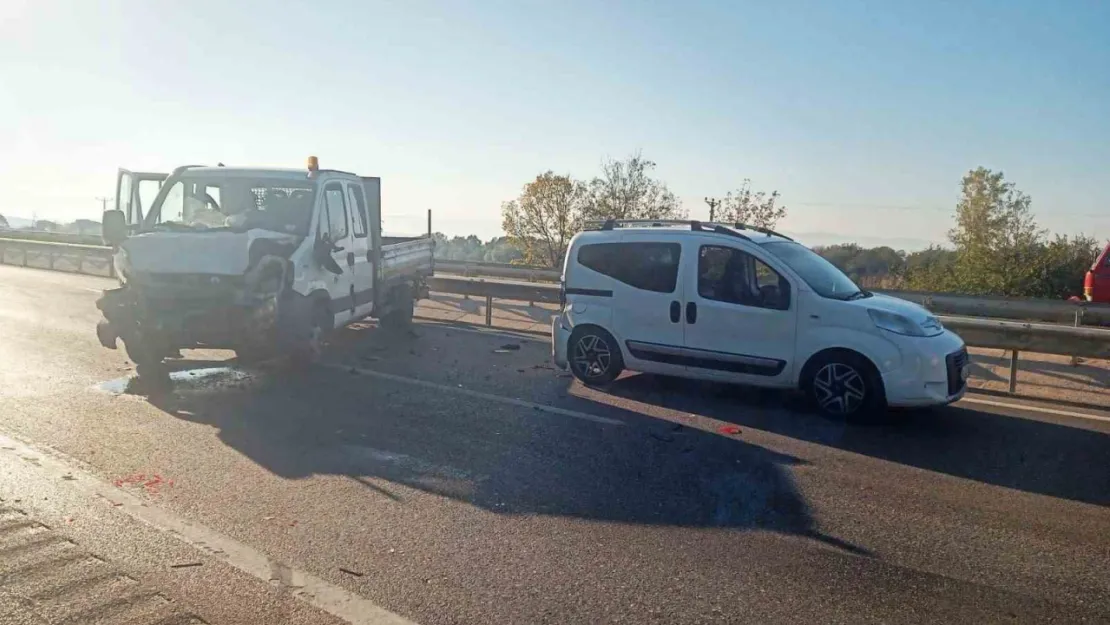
<point x="821" y="275"/>
<point x="196" y="203"/>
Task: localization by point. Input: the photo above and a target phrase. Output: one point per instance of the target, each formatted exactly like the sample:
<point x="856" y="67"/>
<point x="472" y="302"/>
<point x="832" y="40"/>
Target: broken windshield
<point x="195" y="203"/>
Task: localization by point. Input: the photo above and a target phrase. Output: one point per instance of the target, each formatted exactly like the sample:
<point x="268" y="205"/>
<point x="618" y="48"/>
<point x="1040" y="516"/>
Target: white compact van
<point x="746" y="305"/>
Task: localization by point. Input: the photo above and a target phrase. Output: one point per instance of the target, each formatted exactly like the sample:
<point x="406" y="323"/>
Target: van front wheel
<point x="845" y="386"/>
<point x="595" y="356"/>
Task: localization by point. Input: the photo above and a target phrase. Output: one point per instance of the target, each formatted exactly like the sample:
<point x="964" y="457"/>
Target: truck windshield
<point x="821" y="275"/>
<point x="194" y="203"/>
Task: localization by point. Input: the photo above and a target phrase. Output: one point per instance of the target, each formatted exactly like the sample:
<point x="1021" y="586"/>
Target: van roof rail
<point x="740" y="226"/>
<point x="693" y="224"/>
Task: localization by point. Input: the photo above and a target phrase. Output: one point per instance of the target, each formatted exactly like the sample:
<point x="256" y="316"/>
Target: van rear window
<point x="647" y="266"/>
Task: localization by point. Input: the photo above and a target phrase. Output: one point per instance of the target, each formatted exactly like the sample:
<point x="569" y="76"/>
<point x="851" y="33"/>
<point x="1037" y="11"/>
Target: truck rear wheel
<point x="403" y="306"/>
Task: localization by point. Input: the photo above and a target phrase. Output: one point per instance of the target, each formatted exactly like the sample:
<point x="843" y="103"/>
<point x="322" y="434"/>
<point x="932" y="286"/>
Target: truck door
<point x="360" y="259"/>
<point x="334" y="229"/>
<point x="135" y="191"/>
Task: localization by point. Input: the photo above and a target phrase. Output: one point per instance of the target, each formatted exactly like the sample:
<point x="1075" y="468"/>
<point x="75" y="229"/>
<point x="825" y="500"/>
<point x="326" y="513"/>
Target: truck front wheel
<point x="149" y="361"/>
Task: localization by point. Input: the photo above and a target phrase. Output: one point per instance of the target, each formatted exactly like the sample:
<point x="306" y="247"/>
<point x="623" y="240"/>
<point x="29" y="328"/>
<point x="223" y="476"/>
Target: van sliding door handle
<point x="676" y="312"/>
<point x="691" y="312"/>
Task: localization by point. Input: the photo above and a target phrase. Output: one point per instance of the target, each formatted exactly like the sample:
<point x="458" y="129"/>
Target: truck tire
<point x="150" y="365"/>
<point x="399" y="317"/>
<point x="309" y="351"/>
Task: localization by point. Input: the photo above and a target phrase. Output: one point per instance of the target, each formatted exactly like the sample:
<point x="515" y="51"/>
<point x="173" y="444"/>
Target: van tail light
<point x="1089" y="286"/>
<point x="562" y="294"/>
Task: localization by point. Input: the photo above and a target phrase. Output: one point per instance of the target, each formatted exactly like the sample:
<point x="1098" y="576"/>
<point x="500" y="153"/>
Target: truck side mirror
<point x="322" y="253"/>
<point x="113" y="228"/>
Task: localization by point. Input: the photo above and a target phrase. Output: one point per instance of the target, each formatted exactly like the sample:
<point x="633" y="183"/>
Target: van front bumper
<point x="933" y="372"/>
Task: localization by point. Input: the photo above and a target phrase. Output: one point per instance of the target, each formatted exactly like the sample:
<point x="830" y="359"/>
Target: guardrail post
<point x="51" y="257"/>
<point x="1013" y="371"/>
<point x="24" y="257"/>
<point x="111" y="268"/>
<point x="489" y="310"/>
<point x="1078" y="322"/>
<point x="81" y="263"/>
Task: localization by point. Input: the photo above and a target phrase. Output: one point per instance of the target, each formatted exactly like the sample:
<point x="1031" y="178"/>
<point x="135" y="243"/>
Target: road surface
<point x="451" y="476"/>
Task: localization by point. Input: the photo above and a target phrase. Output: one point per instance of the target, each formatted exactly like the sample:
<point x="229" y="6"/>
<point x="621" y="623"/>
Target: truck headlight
<point x="901" y="324"/>
<point x="122" y="263"/>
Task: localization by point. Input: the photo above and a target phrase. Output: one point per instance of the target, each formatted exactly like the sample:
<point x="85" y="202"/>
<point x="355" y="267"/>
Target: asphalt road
<point x="451" y="476"/>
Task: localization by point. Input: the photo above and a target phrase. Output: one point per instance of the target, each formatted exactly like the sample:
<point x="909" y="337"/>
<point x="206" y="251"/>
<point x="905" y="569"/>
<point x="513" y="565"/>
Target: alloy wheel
<point x="592" y="356"/>
<point x="839" y="389"/>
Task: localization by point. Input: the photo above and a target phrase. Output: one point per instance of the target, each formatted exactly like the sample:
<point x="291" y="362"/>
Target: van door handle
<point x="676" y="311"/>
<point x="691" y="312"/>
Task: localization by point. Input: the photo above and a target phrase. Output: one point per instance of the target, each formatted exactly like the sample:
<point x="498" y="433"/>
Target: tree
<point x="626" y="190"/>
<point x="546" y="215"/>
<point x="755" y="208"/>
<point x="4" y="222"/>
<point x="992" y="215"/>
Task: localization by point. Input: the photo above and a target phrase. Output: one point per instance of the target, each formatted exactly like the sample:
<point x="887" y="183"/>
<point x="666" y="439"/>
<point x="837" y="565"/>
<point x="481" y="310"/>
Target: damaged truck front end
<point x="156" y="314"/>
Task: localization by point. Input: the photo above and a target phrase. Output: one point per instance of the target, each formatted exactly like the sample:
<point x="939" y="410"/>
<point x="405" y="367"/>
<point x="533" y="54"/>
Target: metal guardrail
<point x="88" y="259"/>
<point x="1020" y="308"/>
<point x="1014" y="336"/>
<point x="975" y="319"/>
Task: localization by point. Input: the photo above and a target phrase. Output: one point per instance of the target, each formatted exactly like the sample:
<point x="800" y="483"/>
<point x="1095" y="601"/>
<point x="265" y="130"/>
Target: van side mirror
<point x="113" y="228"/>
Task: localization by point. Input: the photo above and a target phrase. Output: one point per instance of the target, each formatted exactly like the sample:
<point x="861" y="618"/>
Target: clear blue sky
<point x="847" y="108"/>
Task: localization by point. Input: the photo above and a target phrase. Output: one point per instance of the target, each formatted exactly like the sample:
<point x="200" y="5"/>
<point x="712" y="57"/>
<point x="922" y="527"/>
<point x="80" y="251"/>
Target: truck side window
<point x="646" y="266"/>
<point x="730" y="275"/>
<point x="359" y="204"/>
<point x="337" y="211"/>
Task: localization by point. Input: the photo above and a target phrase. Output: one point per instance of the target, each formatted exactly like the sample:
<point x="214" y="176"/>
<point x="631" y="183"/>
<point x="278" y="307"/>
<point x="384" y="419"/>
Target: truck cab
<point x="259" y="260"/>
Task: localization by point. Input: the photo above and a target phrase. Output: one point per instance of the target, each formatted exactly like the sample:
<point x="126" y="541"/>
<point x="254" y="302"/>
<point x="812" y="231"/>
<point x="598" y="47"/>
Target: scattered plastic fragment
<point x="729" y="429"/>
<point x="185" y="565"/>
<point x="350" y="572"/>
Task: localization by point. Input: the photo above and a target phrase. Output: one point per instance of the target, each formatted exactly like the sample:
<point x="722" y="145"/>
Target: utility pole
<point x="713" y="204"/>
<point x="103" y="203"/>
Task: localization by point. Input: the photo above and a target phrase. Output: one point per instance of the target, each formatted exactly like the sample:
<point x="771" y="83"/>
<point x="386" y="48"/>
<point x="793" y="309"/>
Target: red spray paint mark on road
<point x="731" y="430"/>
<point x="152" y="485"/>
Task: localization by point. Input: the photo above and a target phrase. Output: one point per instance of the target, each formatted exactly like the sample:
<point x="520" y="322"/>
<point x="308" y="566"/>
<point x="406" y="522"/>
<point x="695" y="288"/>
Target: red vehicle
<point x="1096" y="286"/>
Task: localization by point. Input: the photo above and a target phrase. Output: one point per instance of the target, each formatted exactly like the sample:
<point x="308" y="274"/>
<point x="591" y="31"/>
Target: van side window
<point x="729" y="275"/>
<point x="647" y="266"/>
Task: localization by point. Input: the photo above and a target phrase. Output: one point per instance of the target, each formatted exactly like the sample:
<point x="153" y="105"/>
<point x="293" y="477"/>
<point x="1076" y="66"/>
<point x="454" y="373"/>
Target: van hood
<point x="217" y="253"/>
<point x="890" y="304"/>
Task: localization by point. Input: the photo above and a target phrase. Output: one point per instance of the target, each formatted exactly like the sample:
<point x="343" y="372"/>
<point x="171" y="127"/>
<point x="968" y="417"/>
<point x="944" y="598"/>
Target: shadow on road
<point x="503" y="458"/>
<point x="1013" y="452"/>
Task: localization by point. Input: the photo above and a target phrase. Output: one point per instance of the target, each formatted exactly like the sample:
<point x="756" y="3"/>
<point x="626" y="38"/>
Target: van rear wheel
<point x="594" y="355"/>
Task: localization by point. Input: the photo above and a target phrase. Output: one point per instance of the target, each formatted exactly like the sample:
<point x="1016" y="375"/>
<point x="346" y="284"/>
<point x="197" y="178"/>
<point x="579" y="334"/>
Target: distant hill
<point x="16" y="223"/>
<point x="823" y="239"/>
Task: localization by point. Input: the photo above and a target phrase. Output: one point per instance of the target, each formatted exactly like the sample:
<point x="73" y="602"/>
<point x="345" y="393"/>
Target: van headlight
<point x="901" y="324"/>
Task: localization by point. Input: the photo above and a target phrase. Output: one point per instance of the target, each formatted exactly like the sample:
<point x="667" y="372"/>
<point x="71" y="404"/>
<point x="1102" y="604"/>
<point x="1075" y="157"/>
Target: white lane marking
<point x="91" y="290"/>
<point x="428" y="323"/>
<point x="328" y="597"/>
<point x="478" y="394"/>
<point x="1052" y="411"/>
